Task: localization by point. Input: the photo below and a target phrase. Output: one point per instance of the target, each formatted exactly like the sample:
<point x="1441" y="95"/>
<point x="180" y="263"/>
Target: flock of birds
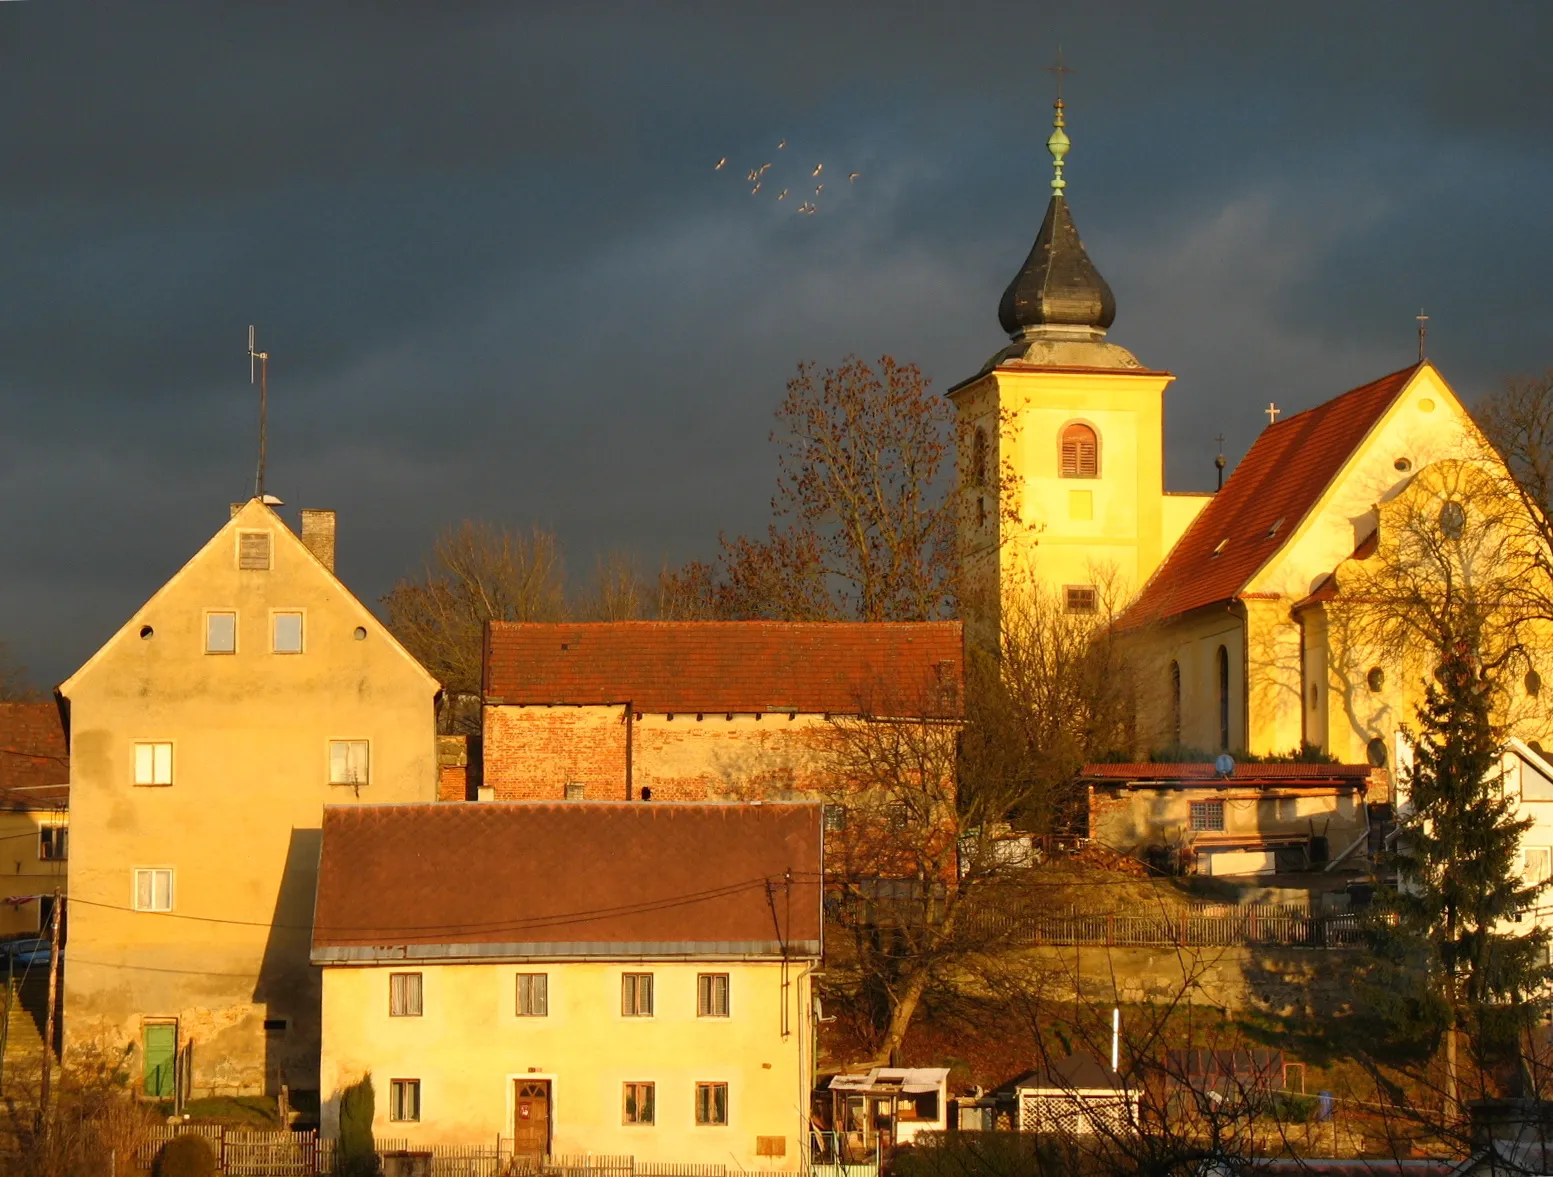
<point x="757" y="177"/>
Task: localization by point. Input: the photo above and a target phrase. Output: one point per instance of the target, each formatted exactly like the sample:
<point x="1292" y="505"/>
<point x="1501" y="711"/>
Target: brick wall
<point x="533" y="753"/>
<point x="452" y="768"/>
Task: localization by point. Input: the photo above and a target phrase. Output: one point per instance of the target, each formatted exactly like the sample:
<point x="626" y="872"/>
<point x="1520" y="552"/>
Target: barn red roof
<point x="34" y="756"/>
<point x="901" y="668"/>
<point x="488" y="879"/>
<point x="1270" y="492"/>
<point x="1197" y="771"/>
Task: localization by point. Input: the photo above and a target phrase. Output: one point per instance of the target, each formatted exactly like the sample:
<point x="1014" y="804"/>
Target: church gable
<point x="1281" y="482"/>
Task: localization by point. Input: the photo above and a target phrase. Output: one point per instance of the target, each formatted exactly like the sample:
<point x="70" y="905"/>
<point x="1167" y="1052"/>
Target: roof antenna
<point x="1423" y="332"/>
<point x="1219" y="462"/>
<point x="261" y="359"/>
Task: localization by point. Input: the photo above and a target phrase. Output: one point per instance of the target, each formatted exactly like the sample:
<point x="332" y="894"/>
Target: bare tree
<point x="865" y="504"/>
<point x="617" y="593"/>
<point x="16" y="685"/>
<point x="475" y="573"/>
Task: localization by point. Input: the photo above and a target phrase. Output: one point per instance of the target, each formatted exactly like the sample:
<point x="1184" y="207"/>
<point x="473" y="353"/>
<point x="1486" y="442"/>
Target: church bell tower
<point x="1060" y="440"/>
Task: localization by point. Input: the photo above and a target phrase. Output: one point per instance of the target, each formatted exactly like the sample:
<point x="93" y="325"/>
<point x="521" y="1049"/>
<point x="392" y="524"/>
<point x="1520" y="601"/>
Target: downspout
<point x="1239" y="607"/>
<point x="1299" y="619"/>
<point x="630" y="731"/>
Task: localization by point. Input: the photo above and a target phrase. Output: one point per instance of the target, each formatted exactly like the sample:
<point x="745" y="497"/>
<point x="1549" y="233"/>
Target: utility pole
<point x="262" y="358"/>
<point x="48" y="1032"/>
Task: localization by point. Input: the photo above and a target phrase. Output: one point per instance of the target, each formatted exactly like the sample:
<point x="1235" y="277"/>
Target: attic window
<point x="1223" y="543"/>
<point x="1403" y="464"/>
<point x="253" y="551"/>
<point x="1273" y="530"/>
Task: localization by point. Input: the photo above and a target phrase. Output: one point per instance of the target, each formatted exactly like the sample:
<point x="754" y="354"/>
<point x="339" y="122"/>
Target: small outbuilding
<point x="889" y="1105"/>
<point x="1076" y="1096"/>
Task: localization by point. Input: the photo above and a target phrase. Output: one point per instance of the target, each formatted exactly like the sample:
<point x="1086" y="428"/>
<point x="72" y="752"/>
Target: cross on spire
<point x="1059" y="69"/>
<point x="1272" y="411"/>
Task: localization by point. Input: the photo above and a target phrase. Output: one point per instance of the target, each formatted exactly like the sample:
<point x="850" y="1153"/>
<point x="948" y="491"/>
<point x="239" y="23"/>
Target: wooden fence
<point x="1199" y="925"/>
<point x="244" y="1153"/>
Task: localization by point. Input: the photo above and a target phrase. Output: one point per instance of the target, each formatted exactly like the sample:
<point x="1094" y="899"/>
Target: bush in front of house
<point x="185" y="1156"/>
<point x="357" y="1157"/>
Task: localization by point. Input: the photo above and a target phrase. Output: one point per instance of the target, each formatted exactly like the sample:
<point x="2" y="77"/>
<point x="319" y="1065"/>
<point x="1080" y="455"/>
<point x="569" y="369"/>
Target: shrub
<point x="185" y="1156"/>
<point x="357" y="1157"/>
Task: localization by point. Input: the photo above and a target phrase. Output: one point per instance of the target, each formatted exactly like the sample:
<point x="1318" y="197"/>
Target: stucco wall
<point x="23" y="871"/>
<point x="239" y="825"/>
<point x="469" y="1047"/>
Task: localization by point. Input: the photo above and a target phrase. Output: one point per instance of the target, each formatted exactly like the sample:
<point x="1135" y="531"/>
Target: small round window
<point x="1533" y="683"/>
<point x="1403" y="464"/>
<point x="1377" y="752"/>
<point x="1426" y="405"/>
<point x="1453" y="520"/>
<point x="146" y="632"/>
<point x="361" y="633"/>
<point x="1376" y="678"/>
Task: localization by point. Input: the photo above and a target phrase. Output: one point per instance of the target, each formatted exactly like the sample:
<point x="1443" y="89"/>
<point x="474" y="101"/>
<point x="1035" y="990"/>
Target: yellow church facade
<point x="1232" y="600"/>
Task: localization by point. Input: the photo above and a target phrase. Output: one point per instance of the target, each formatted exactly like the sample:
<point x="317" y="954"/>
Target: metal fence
<point x="1199" y="925"/>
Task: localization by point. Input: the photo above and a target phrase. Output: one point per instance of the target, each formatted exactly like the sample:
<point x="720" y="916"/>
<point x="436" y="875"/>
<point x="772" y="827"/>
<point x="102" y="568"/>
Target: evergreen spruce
<point x="357" y="1153"/>
<point x="1461" y="888"/>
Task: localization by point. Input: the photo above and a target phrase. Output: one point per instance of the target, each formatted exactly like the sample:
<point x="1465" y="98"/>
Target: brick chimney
<point x="318" y="535"/>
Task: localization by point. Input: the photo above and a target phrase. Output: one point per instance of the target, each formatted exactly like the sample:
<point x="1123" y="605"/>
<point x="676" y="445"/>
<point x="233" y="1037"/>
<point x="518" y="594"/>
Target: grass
<point x="238" y="1111"/>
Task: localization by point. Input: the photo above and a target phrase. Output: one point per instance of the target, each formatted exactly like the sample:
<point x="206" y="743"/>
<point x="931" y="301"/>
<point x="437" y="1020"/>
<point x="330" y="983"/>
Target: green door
<point x="161" y="1055"/>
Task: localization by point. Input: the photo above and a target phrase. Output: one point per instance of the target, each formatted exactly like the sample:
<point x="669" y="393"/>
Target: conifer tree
<point x="1459" y="866"/>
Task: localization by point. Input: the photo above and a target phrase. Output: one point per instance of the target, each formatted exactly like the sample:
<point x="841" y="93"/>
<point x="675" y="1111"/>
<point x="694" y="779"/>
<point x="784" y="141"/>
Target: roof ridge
<point x="1330" y="402"/>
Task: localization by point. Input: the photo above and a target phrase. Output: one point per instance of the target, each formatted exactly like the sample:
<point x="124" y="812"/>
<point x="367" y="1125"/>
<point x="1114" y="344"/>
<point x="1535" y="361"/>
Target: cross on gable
<point x="1272" y="411"/>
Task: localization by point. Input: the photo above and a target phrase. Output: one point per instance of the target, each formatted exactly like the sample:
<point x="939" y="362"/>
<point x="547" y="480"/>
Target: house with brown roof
<point x="34" y="814"/>
<point x="586" y="977"/>
<point x="699" y="711"/>
<point x="1255" y="820"/>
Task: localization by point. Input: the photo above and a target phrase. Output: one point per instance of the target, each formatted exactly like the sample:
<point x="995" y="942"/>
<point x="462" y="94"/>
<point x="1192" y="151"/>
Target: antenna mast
<point x="261" y="361"/>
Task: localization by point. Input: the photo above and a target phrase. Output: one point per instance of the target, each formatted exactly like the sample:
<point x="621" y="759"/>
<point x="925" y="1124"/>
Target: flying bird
<point x="807" y="207"/>
<point x="755" y="189"/>
<point x="853" y="177"/>
<point x="753" y="176"/>
<point x="817" y="188"/>
<point x="781" y="144"/>
<point x="782" y="194"/>
<point x="720" y="163"/>
<point x="816" y="170"/>
<point x="763" y="167"/>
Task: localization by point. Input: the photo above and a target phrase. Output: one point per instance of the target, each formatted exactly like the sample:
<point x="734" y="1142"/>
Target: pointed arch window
<point x="1080" y="452"/>
<point x="1223" y="668"/>
<point x="979" y="457"/>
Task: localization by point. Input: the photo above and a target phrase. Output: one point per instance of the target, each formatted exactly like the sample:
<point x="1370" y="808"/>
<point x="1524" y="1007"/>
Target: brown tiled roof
<point x="34" y="756"/>
<point x="1270" y="492"/>
<point x="1243" y="772"/>
<point x="901" y="668"/>
<point x="488" y="879"/>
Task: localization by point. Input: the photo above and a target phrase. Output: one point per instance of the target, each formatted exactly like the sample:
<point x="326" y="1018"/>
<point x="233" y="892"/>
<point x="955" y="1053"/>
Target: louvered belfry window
<point x="1080" y="452"/>
<point x="253" y="551"/>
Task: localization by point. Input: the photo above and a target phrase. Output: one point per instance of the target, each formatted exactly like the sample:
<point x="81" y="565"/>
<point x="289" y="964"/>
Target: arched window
<point x="1223" y="661"/>
<point x="1453" y="519"/>
<point x="1375" y="751"/>
<point x="1175" y="703"/>
<point x="1080" y="452"/>
<point x="979" y="457"/>
<point x="1533" y="683"/>
<point x="1376" y="679"/>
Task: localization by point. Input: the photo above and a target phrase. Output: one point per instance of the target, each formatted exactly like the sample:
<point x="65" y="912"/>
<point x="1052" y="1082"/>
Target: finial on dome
<point x="1057" y="143"/>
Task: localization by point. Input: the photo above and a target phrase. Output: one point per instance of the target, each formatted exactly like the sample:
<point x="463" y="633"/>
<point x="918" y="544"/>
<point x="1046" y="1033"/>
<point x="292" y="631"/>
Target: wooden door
<point x="531" y="1127"/>
<point x="160" y="1057"/>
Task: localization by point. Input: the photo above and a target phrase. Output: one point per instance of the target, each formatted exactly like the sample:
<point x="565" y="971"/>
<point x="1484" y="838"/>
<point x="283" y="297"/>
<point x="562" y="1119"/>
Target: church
<point x="1230" y="597"/>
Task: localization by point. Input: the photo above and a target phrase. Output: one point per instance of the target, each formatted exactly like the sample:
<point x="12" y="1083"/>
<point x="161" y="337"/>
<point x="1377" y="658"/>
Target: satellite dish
<point x="272" y="501"/>
<point x="1224" y="764"/>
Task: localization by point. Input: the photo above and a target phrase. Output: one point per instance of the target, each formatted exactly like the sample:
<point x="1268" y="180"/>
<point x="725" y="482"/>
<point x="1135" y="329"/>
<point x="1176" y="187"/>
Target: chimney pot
<point x="318" y="535"/>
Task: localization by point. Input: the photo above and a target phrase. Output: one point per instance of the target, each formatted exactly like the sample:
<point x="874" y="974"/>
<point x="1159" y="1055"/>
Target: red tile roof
<point x="1243" y="772"/>
<point x="1270" y="492"/>
<point x="901" y="668"/>
<point x="34" y="756"/>
<point x="488" y="879"/>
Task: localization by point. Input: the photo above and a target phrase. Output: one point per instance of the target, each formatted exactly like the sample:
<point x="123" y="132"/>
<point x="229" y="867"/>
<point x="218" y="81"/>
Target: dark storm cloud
<point x="499" y="277"/>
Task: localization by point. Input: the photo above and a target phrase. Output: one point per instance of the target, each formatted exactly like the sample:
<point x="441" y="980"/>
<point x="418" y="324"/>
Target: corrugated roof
<point x="900" y="668"/>
<point x="34" y="756"/>
<point x="471" y="880"/>
<point x="1242" y="772"/>
<point x="1263" y="502"/>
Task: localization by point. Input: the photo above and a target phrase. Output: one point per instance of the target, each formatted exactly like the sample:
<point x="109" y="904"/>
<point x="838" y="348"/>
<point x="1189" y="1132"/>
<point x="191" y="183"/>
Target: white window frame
<point x="707" y="1008"/>
<point x="418" y="990"/>
<point x="153" y="746"/>
<point x="153" y="871"/>
<point x="1210" y="806"/>
<point x="205" y="632"/>
<point x="1529" y="876"/>
<point x="396" y="1088"/>
<point x="695" y="1109"/>
<point x="348" y="745"/>
<point x="61" y="835"/>
<point x="636" y="996"/>
<point x="301" y="616"/>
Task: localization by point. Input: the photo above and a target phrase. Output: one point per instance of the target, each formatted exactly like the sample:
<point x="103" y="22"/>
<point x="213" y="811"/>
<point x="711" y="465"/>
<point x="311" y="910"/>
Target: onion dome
<point x="1058" y="286"/>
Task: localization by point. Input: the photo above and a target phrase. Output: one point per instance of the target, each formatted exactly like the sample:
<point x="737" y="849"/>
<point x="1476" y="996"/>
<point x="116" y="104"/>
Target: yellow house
<point x="1062" y="435"/>
<point x="34" y="815"/>
<point x="586" y="977"/>
<point x="206" y="737"/>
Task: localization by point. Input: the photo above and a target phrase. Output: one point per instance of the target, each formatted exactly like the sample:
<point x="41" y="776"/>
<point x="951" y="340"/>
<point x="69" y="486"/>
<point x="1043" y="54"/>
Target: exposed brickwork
<point x="532" y="753"/>
<point x="710" y="757"/>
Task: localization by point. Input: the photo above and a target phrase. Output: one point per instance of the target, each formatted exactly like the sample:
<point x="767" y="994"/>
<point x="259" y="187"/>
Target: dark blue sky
<point x="486" y="247"/>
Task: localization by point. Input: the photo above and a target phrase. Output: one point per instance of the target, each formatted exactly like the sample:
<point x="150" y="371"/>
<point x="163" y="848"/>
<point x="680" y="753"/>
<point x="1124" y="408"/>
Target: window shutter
<point x="253" y="551"/>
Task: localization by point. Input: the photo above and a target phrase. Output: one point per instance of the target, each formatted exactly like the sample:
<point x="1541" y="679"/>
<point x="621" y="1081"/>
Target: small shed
<point x="1076" y="1096"/>
<point x="889" y="1105"/>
